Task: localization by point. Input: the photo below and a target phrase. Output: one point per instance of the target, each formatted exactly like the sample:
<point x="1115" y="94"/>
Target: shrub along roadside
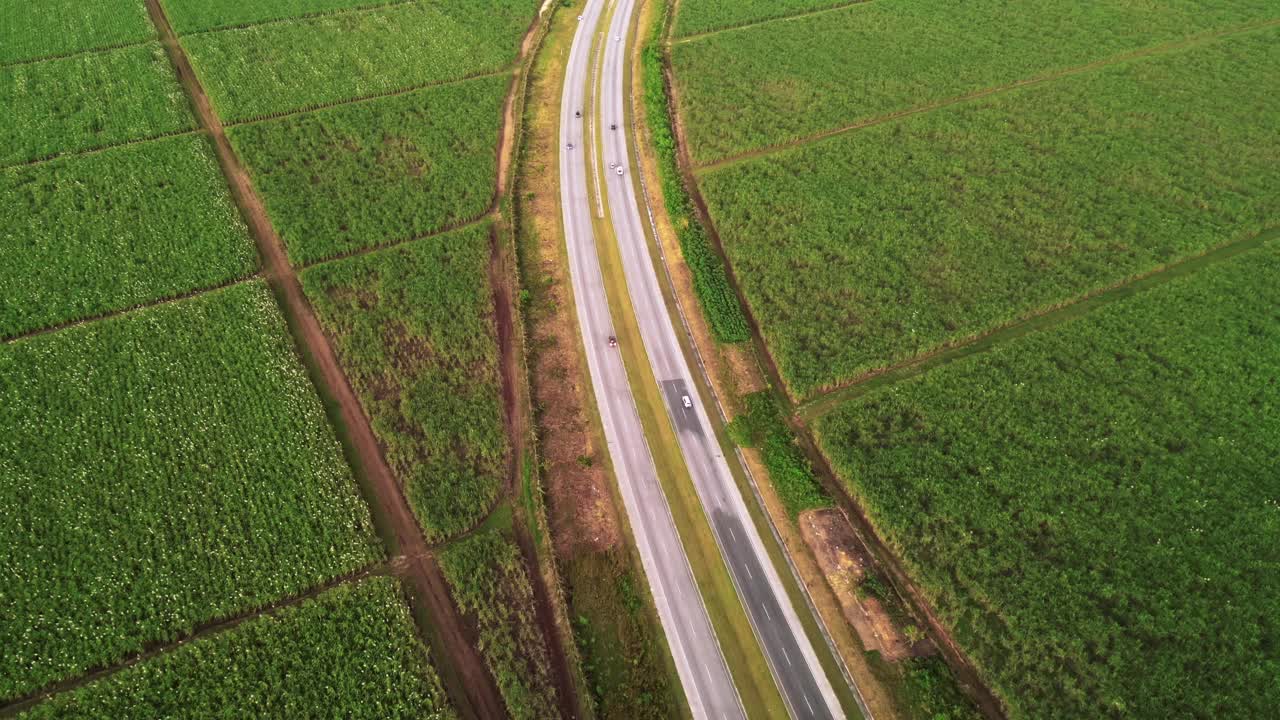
<point x="710" y="281"/>
<point x="762" y="427"/>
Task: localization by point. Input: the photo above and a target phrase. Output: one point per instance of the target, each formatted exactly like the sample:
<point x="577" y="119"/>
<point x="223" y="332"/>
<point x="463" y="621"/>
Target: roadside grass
<point x="869" y="249"/>
<point x="762" y="426"/>
<point x="265" y="70"/>
<point x="700" y="16"/>
<point x="413" y="328"/>
<point x="492" y="586"/>
<point x="357" y="176"/>
<point x="1084" y="506"/>
<point x="352" y="652"/>
<point x="60" y="27"/>
<point x="157" y="471"/>
<point x="190" y="16"/>
<point x="89" y="101"/>
<point x="776" y="83"/>
<point x="84" y="236"/>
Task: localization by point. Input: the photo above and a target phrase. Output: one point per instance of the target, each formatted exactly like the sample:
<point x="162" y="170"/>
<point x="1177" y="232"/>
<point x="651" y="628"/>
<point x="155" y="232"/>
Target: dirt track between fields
<point x="420" y="571"/>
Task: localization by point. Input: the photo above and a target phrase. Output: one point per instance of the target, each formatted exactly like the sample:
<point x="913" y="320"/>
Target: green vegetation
<point x="360" y="175"/>
<point x="413" y="327"/>
<point x="87" y="235"/>
<point x="59" y="27"/>
<point x="196" y="15"/>
<point x="1088" y="507"/>
<point x="622" y="653"/>
<point x="89" y="101"/>
<point x="351" y="652"/>
<point x="158" y="471"/>
<point x="774" y="83"/>
<point x="699" y="16"/>
<point x="710" y="281"/>
<point x="491" y="585"/>
<point x="762" y="426"/>
<point x="877" y="246"/>
<point x="279" y="67"/>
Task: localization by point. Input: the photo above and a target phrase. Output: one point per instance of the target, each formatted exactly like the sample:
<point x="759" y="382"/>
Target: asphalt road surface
<point x="700" y="664"/>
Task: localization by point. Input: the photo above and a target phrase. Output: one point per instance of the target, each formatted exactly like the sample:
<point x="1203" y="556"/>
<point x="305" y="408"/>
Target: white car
<point x="687" y="402"/>
<point x="619" y="169"/>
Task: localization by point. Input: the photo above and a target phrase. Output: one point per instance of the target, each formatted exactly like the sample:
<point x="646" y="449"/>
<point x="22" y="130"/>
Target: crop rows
<point x="814" y="74"/>
<point x="359" y="175"/>
<point x="874" y="247"/>
<point x="157" y="471"/>
<point x="58" y="27"/>
<point x="87" y="235"/>
<point x="89" y="101"/>
<point x="491" y="585"/>
<point x="352" y="652"/>
<point x="413" y="327"/>
<point x="197" y="15"/>
<point x="270" y="69"/>
<point x="699" y="16"/>
<point x="1094" y="509"/>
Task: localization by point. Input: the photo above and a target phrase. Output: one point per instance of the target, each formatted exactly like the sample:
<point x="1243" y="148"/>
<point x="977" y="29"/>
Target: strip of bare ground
<point x="959" y="663"/>
<point x="465" y="674"/>
<point x="201" y="631"/>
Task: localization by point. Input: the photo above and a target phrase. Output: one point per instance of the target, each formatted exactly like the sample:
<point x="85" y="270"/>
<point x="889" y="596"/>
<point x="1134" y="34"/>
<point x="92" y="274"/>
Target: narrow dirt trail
<point x="419" y="569"/>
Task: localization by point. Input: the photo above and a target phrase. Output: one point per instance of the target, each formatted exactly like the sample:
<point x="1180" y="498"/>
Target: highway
<point x="701" y="666"/>
<point x="805" y="687"/>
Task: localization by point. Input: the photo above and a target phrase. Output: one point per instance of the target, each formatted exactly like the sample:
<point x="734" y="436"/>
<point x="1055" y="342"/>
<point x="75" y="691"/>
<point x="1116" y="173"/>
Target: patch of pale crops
<point x="364" y="174"/>
<point x="1094" y="509"/>
<point x="82" y="236"/>
<point x="781" y="81"/>
<point x="875" y="247"/>
<point x="58" y="27"/>
<point x="89" y="101"/>
<point x="351" y="652"/>
<point x="160" y="470"/>
<point x="269" y="69"/>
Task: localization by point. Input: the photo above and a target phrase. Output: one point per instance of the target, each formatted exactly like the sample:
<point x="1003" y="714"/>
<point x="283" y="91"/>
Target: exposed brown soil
<point x="464" y="672"/>
<point x="546" y="618"/>
<point x="845" y="564"/>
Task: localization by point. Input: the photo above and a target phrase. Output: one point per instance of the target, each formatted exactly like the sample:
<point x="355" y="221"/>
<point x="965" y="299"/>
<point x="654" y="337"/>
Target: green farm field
<point x="62" y="27"/>
<point x="1093" y="508"/>
<point x="413" y="328"/>
<point x="351" y="652"/>
<point x="491" y="585"/>
<point x="274" y="68"/>
<point x="699" y="16"/>
<point x="365" y="174"/>
<point x="189" y="16"/>
<point x="874" y="247"/>
<point x="89" y="101"/>
<point x="177" y="467"/>
<point x="809" y="75"/>
<point x="88" y="235"/>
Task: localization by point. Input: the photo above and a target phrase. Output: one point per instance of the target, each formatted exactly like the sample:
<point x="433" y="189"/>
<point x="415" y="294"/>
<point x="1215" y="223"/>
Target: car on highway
<point x="613" y="341"/>
<point x="619" y="169"/>
<point x="687" y="402"/>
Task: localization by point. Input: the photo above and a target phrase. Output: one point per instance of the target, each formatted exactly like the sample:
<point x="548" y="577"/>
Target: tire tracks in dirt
<point x="468" y="679"/>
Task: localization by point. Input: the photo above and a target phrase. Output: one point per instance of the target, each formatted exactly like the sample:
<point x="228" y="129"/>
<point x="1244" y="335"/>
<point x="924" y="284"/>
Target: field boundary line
<point x="199" y="632"/>
<point x="471" y="687"/>
<point x="1135" y="55"/>
<point x="833" y="7"/>
<point x="138" y="307"/>
<point x="1043" y="319"/>
<point x="486" y="216"/>
<point x="72" y="154"/>
<point x="370" y="7"/>
<point x="314" y="107"/>
<point x="76" y="53"/>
